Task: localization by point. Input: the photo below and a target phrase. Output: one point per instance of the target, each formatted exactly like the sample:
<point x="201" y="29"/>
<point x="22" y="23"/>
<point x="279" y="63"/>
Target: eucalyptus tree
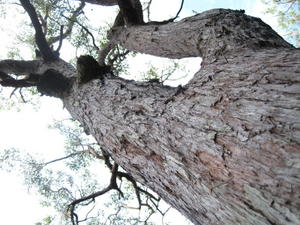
<point x="223" y="149"/>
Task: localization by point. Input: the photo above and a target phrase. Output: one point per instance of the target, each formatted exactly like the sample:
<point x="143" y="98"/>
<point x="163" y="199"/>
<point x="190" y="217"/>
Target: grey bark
<point x="225" y="148"/>
<point x="24" y="67"/>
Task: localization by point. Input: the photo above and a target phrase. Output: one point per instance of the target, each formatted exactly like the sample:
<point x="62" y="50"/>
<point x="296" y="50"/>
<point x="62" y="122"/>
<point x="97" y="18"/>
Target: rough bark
<point x="225" y="148"/>
<point x="208" y="34"/>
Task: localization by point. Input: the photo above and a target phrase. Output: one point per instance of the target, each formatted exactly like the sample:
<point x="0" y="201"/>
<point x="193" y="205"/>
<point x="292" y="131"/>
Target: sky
<point x="27" y="129"/>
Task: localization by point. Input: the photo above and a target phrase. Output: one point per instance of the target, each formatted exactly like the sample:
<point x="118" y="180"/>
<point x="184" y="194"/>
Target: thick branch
<point x="132" y="11"/>
<point x="19" y="67"/>
<point x="208" y="34"/>
<point x="46" y="52"/>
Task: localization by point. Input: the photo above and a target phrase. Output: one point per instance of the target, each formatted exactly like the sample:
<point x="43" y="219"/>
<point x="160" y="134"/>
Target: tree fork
<point x="47" y="53"/>
<point x="223" y="150"/>
<point x="226" y="148"/>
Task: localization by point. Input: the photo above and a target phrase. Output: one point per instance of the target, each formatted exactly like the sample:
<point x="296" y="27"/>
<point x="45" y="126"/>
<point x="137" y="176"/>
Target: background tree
<point x="225" y="147"/>
<point x="288" y="15"/>
<point x="81" y="173"/>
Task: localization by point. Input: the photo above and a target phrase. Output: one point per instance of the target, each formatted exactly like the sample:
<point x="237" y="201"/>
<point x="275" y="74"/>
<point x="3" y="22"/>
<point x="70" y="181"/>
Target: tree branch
<point x="63" y="158"/>
<point x="9" y="81"/>
<point x="112" y="186"/>
<point x="102" y="2"/>
<point x="165" y="21"/>
<point x="119" y="56"/>
<point x="40" y="39"/>
<point x="86" y="30"/>
<point x="94" y="153"/>
<point x="147" y="9"/>
<point x="200" y="38"/>
<point x="19" y="67"/>
<point x="132" y="11"/>
<point x="103" y="52"/>
<point x="70" y="25"/>
<point x="181" y="6"/>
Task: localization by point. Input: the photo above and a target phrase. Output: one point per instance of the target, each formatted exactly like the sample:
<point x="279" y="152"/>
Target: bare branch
<point x="119" y="56"/>
<point x="4" y="76"/>
<point x="43" y="21"/>
<point x="40" y="39"/>
<point x="148" y="194"/>
<point x="15" y="83"/>
<point x="74" y="217"/>
<point x="166" y="21"/>
<point x="63" y="158"/>
<point x="112" y="186"/>
<point x="21" y="95"/>
<point x="87" y="214"/>
<point x="107" y="159"/>
<point x="87" y="30"/>
<point x="181" y="6"/>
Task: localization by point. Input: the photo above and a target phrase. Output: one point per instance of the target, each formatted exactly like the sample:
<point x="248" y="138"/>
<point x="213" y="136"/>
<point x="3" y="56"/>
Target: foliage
<point x="288" y="15"/>
<point x="13" y="98"/>
<point x="170" y="71"/>
<point x="85" y="167"/>
<point x="76" y="175"/>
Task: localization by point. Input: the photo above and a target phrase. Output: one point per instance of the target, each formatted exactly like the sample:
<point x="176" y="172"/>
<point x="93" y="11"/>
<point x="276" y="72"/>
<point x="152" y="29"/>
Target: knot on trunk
<point x="53" y="83"/>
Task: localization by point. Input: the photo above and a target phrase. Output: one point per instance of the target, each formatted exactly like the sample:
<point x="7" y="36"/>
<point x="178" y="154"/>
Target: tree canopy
<point x="288" y="15"/>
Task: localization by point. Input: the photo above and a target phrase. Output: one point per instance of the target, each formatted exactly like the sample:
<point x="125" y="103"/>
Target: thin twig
<point x="86" y="30"/>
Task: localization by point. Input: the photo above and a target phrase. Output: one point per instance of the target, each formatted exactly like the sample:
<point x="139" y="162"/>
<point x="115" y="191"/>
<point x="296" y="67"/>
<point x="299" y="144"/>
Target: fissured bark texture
<point x="225" y="148"/>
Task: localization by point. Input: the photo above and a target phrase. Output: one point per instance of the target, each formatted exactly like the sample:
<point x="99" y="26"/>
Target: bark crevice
<point x="205" y="145"/>
<point x="211" y="34"/>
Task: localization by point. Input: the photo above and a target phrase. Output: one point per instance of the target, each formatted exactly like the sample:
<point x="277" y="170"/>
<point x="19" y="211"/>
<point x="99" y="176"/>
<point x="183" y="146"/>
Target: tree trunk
<point x="225" y="148"/>
<point x="222" y="150"/>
